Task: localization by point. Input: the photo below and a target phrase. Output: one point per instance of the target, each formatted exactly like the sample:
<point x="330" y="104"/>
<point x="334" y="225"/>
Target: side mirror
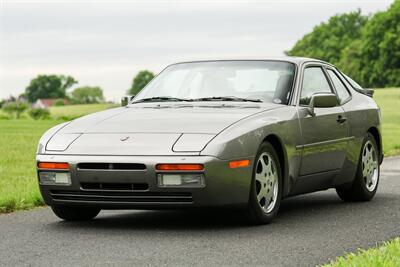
<point x="126" y="99"/>
<point x="322" y="100"/>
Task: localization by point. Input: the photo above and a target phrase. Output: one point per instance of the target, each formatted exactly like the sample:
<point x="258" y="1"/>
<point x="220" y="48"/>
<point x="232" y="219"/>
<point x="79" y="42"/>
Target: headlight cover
<point x="192" y="142"/>
<point x="60" y="142"/>
<point x="46" y="136"/>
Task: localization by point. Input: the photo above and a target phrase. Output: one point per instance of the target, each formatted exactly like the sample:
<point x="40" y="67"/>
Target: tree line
<point x="56" y="87"/>
<point x="367" y="48"/>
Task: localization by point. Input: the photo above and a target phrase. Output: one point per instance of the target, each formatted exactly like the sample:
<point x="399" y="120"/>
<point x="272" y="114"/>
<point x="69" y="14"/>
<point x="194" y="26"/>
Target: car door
<point x="325" y="134"/>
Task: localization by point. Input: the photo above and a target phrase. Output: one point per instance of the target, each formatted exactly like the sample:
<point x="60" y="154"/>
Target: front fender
<point x="243" y="139"/>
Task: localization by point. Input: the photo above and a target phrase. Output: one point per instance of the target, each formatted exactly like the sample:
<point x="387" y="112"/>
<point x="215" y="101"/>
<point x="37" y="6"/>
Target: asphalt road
<point x="310" y="230"/>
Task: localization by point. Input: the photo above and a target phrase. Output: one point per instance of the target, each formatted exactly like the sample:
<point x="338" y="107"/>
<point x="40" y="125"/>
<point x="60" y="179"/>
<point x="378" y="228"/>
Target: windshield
<point x="266" y="81"/>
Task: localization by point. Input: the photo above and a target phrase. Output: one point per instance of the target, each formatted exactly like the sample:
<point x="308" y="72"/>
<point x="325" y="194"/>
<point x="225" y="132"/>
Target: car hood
<point x="166" y="118"/>
<point x="150" y="129"/>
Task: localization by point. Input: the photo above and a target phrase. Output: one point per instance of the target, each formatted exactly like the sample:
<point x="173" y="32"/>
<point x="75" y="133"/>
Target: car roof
<point x="295" y="60"/>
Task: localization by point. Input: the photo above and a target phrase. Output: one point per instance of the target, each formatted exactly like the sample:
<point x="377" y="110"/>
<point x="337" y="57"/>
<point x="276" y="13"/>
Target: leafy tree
<point x="368" y="49"/>
<point x="350" y="62"/>
<point x="141" y="80"/>
<point x="14" y="108"/>
<point x="87" y="95"/>
<point x="380" y="50"/>
<point x="327" y="40"/>
<point x="49" y="86"/>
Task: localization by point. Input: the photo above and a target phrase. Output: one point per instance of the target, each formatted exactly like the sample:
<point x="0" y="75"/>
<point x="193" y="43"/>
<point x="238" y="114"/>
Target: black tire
<point x="358" y="190"/>
<point x="75" y="213"/>
<point x="256" y="213"/>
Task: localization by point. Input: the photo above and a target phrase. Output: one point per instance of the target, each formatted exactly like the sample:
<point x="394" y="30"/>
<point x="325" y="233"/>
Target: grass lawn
<point x="18" y="184"/>
<point x="78" y="110"/>
<point x="19" y="138"/>
<point x="18" y="143"/>
<point x="70" y="111"/>
<point x="389" y="102"/>
<point x="386" y="255"/>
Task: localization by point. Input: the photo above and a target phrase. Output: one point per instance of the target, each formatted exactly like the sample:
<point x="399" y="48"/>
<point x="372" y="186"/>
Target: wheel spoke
<point x="376" y="165"/>
<point x="260" y="178"/>
<point x="365" y="158"/>
<point x="264" y="165"/>
<point x="368" y="179"/>
<point x="365" y="170"/>
<point x="269" y="197"/>
<point x="260" y="195"/>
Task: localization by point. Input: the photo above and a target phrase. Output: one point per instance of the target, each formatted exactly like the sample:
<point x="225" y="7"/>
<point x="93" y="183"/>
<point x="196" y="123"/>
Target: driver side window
<point x="314" y="81"/>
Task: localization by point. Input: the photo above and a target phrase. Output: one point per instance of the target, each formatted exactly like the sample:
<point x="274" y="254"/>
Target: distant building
<point x="47" y="102"/>
<point x="22" y="98"/>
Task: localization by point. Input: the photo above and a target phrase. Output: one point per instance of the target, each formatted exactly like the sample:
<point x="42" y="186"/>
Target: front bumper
<point x="223" y="186"/>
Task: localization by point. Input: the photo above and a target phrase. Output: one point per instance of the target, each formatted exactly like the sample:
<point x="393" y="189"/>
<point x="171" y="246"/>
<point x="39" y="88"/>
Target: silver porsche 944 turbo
<point x="238" y="133"/>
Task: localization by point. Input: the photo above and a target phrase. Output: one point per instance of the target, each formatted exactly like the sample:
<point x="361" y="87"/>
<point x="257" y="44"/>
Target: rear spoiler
<point x="369" y="92"/>
<point x="366" y="91"/>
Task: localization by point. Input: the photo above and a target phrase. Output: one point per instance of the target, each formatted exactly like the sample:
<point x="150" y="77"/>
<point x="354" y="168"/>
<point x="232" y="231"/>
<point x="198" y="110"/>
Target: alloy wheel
<point x="266" y="176"/>
<point x="370" y="166"/>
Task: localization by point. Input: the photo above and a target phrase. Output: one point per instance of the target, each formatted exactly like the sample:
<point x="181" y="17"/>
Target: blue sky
<point x="104" y="43"/>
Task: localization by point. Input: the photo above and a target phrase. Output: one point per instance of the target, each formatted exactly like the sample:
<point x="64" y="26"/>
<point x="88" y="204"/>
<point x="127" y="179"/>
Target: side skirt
<point x="314" y="182"/>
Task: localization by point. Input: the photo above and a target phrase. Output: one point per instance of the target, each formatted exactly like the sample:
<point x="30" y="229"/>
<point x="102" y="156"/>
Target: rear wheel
<point x="366" y="182"/>
<point x="266" y="187"/>
<point x="75" y="213"/>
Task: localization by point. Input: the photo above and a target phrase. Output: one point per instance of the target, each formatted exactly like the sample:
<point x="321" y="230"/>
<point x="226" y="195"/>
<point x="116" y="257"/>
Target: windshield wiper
<point x="227" y="98"/>
<point x="214" y="98"/>
<point x="160" y="99"/>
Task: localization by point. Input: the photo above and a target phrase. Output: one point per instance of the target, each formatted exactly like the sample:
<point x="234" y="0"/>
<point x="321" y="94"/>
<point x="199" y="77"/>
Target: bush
<point x="4" y="117"/>
<point x="59" y="102"/>
<point x="15" y="108"/>
<point x="39" y="113"/>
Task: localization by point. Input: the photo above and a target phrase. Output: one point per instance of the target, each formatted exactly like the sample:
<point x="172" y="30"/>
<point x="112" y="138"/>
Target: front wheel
<point x="367" y="177"/>
<point x="266" y="187"/>
<point x="75" y="213"/>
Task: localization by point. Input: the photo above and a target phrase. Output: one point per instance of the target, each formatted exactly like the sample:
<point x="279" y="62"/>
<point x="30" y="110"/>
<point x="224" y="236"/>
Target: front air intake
<point x="115" y="186"/>
<point x="111" y="166"/>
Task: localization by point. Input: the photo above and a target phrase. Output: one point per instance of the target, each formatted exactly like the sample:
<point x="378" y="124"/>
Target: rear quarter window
<point x="342" y="92"/>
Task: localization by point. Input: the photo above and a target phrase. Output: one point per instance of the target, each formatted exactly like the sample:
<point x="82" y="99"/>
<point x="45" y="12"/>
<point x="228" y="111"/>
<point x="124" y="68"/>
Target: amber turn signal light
<point x="239" y="163"/>
<point x="179" y="167"/>
<point x="53" y="165"/>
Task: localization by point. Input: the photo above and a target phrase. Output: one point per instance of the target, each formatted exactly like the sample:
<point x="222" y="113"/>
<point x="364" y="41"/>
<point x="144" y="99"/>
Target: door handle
<point x="341" y="119"/>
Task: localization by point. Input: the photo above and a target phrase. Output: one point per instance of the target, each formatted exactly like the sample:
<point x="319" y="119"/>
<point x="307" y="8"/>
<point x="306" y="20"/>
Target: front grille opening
<point x="115" y="186"/>
<point x="111" y="166"/>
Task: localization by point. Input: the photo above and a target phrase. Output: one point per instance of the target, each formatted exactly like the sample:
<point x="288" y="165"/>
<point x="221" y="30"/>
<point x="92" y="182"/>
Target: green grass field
<point x="18" y="184"/>
<point x="386" y="255"/>
<point x="18" y="142"/>
<point x="78" y="110"/>
<point x="19" y="138"/>
<point x="70" y="111"/>
<point x="389" y="102"/>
